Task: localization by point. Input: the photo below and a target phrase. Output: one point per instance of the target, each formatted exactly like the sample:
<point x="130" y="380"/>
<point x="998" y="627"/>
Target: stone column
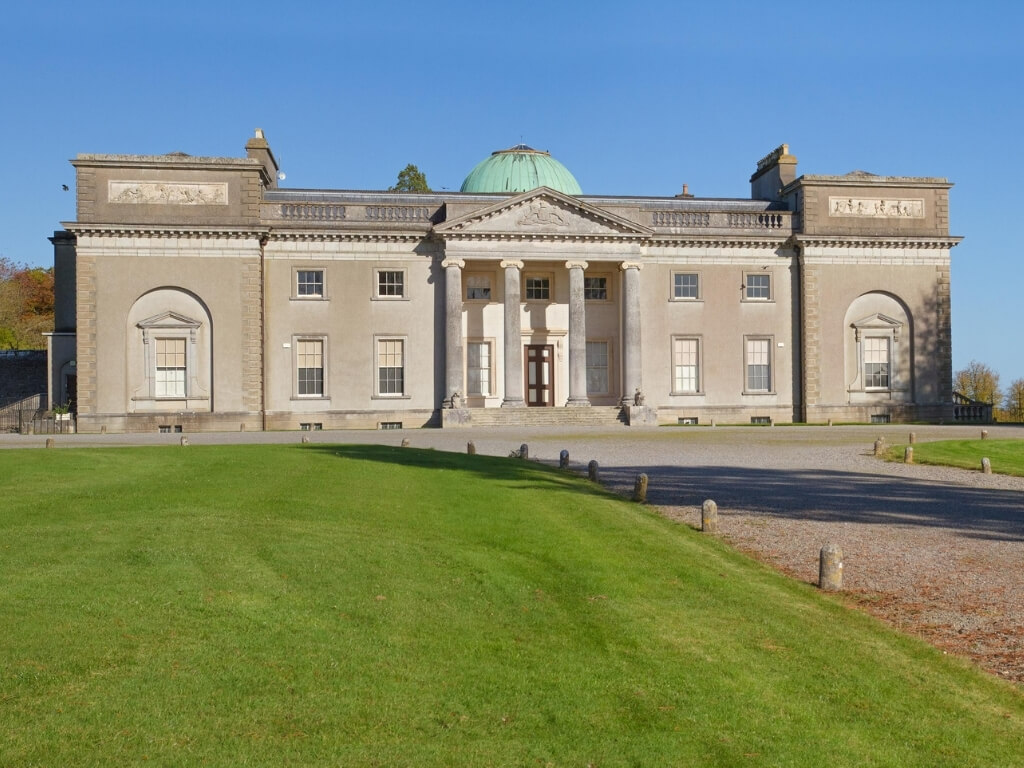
<point x="577" y="336"/>
<point x="453" y="327"/>
<point x="631" y="368"/>
<point x="513" y="338"/>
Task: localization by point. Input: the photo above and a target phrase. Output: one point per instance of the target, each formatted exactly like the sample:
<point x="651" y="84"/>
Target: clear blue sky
<point x="634" y="98"/>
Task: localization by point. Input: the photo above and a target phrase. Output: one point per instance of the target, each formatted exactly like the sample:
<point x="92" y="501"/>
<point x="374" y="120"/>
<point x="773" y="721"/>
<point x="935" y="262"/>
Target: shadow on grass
<point x="831" y="496"/>
<point x="510" y="472"/>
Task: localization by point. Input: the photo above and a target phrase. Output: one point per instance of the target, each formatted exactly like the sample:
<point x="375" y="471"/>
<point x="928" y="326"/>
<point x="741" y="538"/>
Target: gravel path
<point x="938" y="552"/>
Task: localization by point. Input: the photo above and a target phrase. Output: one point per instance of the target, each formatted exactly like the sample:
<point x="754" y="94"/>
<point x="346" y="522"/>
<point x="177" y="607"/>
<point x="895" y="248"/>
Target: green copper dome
<point x="520" y="169"/>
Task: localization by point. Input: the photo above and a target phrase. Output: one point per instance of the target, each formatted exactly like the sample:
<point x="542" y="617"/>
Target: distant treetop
<point x="411" y="179"/>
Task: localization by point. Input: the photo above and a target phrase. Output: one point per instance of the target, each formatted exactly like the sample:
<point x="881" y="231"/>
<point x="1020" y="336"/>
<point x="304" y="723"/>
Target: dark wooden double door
<point x="540" y="359"/>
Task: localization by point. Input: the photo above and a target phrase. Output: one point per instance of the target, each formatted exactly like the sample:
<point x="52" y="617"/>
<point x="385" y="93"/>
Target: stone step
<point x="595" y="416"/>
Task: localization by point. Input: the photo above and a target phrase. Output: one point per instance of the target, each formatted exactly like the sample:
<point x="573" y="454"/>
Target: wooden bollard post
<point x="305" y="439"/>
<point x="592" y="472"/>
<point x="908" y="455"/>
<point x="405" y="442"/>
<point x="640" y="488"/>
<point x="49" y="442"/>
<point x="471" y="448"/>
<point x="524" y="451"/>
<point x="563" y="459"/>
<point x="879" y="447"/>
<point x="709" y="517"/>
<point x="986" y="466"/>
<point x="830" y="568"/>
<point x="184" y="440"/>
<point x="984" y="434"/>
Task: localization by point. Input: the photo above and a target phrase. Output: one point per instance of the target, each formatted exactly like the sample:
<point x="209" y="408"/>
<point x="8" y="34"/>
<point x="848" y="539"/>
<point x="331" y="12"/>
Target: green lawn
<point x="376" y="606"/>
<point x="1007" y="456"/>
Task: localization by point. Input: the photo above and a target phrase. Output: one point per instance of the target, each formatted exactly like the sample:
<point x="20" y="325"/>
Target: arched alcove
<point x="878" y="344"/>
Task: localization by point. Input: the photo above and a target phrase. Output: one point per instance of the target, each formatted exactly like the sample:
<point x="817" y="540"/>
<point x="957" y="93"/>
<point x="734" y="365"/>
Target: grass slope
<point x="374" y="606"/>
<point x="1007" y="456"/>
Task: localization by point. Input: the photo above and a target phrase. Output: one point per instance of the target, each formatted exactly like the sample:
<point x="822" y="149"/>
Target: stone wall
<point x="22" y="374"/>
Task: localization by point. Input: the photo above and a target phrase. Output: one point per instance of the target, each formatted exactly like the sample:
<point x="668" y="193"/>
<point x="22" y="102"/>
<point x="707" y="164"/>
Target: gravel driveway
<point x="938" y="552"/>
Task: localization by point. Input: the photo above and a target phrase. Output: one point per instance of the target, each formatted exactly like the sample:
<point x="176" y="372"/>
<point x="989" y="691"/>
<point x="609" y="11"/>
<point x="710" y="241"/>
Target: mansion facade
<point x="195" y="294"/>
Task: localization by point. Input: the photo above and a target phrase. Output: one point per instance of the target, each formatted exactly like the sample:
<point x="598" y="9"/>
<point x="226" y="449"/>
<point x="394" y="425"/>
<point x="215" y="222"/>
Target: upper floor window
<point x="595" y="288"/>
<point x="685" y="285"/>
<point x="478" y="287"/>
<point x="758" y="287"/>
<point x="391" y="283"/>
<point x="309" y="283"/>
<point x="538" y="288"/>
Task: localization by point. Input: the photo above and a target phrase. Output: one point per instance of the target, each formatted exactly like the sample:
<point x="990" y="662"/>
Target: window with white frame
<point x="876" y="362"/>
<point x="170" y="368"/>
<point x="685" y="365"/>
<point x="538" y="288"/>
<point x="390" y="283"/>
<point x="478" y="368"/>
<point x="758" y="286"/>
<point x="759" y="365"/>
<point x="390" y="367"/>
<point x="597" y="367"/>
<point x="309" y="358"/>
<point x="309" y="283"/>
<point x="595" y="288"/>
<point x="685" y="286"/>
<point x="478" y="287"/>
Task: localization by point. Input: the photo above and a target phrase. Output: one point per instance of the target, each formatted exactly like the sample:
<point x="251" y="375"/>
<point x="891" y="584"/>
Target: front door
<point x="538" y="375"/>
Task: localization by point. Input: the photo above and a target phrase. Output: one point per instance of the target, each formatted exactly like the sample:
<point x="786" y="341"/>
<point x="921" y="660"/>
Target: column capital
<point x="576" y="265"/>
<point x="631" y="265"/>
<point x="453" y="262"/>
<point x="506" y="263"/>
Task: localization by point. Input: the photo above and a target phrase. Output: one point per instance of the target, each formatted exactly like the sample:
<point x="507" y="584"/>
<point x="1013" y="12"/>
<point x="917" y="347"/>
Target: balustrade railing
<point x="313" y="212"/>
<point x="763" y="221"/>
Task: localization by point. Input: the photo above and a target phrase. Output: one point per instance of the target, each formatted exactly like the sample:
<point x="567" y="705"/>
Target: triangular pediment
<point x="544" y="212"/>
<point x="877" y="321"/>
<point x="169" y="320"/>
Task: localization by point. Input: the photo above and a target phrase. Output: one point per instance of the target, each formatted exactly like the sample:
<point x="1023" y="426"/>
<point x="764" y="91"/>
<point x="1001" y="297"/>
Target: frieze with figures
<point x="167" y="193"/>
<point x="874" y="207"/>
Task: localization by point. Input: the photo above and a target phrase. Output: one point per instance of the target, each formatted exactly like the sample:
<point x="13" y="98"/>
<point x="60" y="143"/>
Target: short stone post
<point x="984" y="434"/>
<point x="405" y="442"/>
<point x="709" y="517"/>
<point x="103" y="429"/>
<point x="640" y="488"/>
<point x="592" y="471"/>
<point x="241" y="427"/>
<point x="986" y="466"/>
<point x="830" y="568"/>
<point x="524" y="451"/>
<point x="913" y="438"/>
<point x="713" y="424"/>
<point x="563" y="459"/>
<point x="49" y="442"/>
<point x="305" y="439"/>
<point x="879" y="447"/>
<point x="830" y="422"/>
<point x="908" y="455"/>
<point x="471" y="448"/>
<point x="184" y="440"/>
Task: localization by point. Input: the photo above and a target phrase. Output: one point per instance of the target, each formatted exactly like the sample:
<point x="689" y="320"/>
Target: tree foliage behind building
<point x="411" y="179"/>
<point x="26" y="305"/>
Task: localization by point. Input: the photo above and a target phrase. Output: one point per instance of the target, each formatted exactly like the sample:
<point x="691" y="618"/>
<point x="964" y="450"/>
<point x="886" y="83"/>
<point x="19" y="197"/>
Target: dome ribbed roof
<point x="520" y="169"/>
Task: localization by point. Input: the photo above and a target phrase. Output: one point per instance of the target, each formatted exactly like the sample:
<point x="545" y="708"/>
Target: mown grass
<point x="328" y="605"/>
<point x="1006" y="456"/>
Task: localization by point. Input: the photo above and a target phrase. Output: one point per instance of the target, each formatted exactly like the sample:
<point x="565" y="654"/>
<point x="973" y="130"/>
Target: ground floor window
<point x="685" y="365"/>
<point x="876" y="362"/>
<point x="478" y="368"/>
<point x="310" y="367"/>
<point x="597" y="367"/>
<point x="170" y="368"/>
<point x="759" y="365"/>
<point x="390" y="367"/>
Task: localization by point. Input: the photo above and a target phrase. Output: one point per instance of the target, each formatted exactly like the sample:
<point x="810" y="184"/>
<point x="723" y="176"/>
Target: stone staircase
<point x="594" y="416"/>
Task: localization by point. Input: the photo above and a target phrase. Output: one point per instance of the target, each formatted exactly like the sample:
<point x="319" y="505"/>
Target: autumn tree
<point x="1014" y="405"/>
<point x="26" y="305"/>
<point x="410" y="179"/>
<point x="978" y="382"/>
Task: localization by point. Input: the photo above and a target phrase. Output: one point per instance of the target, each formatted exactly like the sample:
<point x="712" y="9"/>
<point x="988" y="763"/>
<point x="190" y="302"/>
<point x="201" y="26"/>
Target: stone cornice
<point x="860" y="241"/>
<point x="343" y="235"/>
<point x="163" y="230"/>
<point x="177" y="161"/>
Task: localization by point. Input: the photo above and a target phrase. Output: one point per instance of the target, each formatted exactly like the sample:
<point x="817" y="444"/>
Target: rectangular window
<point x="310" y="359"/>
<point x="685" y="285"/>
<point x="876" y="362"/>
<point x="478" y="368"/>
<point x="309" y="282"/>
<point x="759" y="365"/>
<point x="595" y="288"/>
<point x="686" y="365"/>
<point x="758" y="287"/>
<point x="538" y="288"/>
<point x="390" y="367"/>
<point x="390" y="283"/>
<point x="597" y="367"/>
<point x="478" y="288"/>
<point x="170" y="367"/>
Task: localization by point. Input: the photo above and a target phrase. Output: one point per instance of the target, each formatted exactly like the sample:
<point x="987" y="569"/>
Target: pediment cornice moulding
<point x="159" y="231"/>
<point x="848" y="241"/>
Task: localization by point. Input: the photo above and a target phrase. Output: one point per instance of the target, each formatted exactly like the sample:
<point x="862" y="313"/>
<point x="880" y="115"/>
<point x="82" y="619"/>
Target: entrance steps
<point x="593" y="416"/>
